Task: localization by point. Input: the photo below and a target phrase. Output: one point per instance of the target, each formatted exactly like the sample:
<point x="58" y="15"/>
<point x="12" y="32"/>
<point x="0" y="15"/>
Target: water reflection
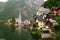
<point x="7" y="34"/>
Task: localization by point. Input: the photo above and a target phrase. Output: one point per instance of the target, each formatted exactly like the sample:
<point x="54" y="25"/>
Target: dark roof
<point x="48" y="22"/>
<point x="55" y="8"/>
<point x="59" y="8"/>
<point x="40" y="18"/>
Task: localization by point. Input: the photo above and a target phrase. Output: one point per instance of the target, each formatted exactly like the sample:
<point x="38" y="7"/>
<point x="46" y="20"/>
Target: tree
<point x="57" y="18"/>
<point x="51" y="3"/>
<point x="35" y="32"/>
<point x="57" y="27"/>
<point x="13" y="20"/>
<point x="12" y="24"/>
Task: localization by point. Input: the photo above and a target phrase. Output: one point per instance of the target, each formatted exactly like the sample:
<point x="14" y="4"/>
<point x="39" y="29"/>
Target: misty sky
<point x="7" y="0"/>
<point x="3" y="0"/>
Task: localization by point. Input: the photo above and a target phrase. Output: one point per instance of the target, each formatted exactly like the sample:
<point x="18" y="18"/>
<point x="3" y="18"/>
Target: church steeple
<point x="19" y="17"/>
<point x="19" y="21"/>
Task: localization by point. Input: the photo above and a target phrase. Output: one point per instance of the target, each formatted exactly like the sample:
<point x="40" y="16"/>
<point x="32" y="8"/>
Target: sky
<point x="45" y="0"/>
<point x="3" y="0"/>
<point x="7" y="0"/>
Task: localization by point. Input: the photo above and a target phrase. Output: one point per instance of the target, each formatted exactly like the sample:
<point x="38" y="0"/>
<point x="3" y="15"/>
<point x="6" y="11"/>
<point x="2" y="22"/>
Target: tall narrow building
<point x="19" y="22"/>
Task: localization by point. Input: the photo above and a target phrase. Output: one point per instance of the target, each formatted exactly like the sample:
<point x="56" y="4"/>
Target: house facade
<point x="40" y="20"/>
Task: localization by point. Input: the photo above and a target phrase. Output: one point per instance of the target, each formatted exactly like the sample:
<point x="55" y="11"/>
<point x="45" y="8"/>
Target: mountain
<point x="1" y="6"/>
<point x="26" y="7"/>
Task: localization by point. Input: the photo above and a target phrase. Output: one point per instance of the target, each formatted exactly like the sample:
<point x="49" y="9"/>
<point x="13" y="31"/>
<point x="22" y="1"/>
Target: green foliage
<point x="57" y="27"/>
<point x="13" y="24"/>
<point x="34" y="15"/>
<point x="57" y="37"/>
<point x="51" y="3"/>
<point x="13" y="20"/>
<point x="57" y="18"/>
<point x="36" y="33"/>
<point x="33" y="24"/>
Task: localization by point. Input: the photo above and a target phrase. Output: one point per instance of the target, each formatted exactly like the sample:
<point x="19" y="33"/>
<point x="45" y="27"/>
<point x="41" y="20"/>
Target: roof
<point x="53" y="21"/>
<point x="45" y="29"/>
<point x="40" y="18"/>
<point x="43" y="10"/>
<point x="55" y="8"/>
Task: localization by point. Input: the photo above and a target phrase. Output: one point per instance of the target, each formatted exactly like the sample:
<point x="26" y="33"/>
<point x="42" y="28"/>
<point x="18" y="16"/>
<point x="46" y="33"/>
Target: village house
<point x="49" y="24"/>
<point x="50" y="17"/>
<point x="40" y="20"/>
<point x="55" y="10"/>
<point x="40" y="16"/>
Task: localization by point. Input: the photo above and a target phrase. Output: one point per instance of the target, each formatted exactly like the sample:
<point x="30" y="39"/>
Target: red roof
<point x="56" y="11"/>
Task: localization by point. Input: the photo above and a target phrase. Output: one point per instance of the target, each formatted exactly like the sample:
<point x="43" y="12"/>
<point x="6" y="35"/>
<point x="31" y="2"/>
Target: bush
<point x="57" y="37"/>
<point x="57" y="27"/>
<point x="36" y="34"/>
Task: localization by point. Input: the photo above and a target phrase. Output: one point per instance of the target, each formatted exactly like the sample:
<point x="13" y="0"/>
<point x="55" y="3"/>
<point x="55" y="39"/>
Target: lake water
<point x="7" y="34"/>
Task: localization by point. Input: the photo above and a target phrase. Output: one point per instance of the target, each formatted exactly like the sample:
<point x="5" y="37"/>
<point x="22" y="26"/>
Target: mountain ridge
<point x="27" y="8"/>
